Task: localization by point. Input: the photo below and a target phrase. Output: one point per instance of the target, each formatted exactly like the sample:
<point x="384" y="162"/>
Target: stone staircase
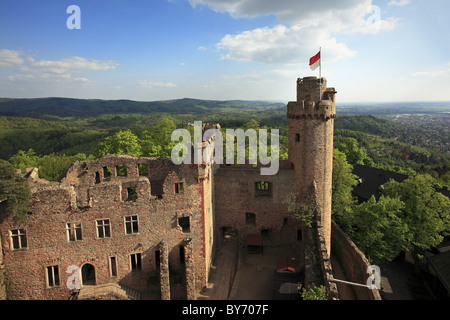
<point x="107" y="291"/>
<point x="131" y="293"/>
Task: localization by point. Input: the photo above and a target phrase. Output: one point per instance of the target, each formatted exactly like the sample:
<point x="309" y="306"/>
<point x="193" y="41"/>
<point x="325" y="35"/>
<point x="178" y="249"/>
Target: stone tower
<point x="311" y="126"/>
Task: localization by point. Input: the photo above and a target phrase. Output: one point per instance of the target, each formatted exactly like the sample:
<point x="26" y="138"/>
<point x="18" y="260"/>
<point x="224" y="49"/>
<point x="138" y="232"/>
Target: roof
<point x="441" y="265"/>
<point x="285" y="264"/>
<point x="371" y="179"/>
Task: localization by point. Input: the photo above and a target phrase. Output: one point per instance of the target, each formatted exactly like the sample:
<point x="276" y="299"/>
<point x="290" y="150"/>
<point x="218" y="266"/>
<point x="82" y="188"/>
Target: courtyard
<point x="242" y="275"/>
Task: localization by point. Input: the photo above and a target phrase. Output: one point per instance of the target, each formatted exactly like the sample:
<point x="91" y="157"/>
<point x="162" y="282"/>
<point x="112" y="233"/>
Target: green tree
<point x="355" y="154"/>
<point x="252" y="124"/>
<point x="426" y="211"/>
<point x="301" y="210"/>
<point x="381" y="232"/>
<point x="15" y="193"/>
<point x="123" y="142"/>
<point x="53" y="167"/>
<point x="149" y="147"/>
<point x="162" y="132"/>
<point x="157" y="142"/>
<point x="342" y="186"/>
<point x="24" y="159"/>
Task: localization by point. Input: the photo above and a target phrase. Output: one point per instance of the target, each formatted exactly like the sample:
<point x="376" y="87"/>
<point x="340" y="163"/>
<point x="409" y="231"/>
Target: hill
<point x="67" y="107"/>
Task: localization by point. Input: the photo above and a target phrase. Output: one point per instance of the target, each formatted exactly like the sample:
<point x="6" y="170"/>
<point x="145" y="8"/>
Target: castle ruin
<point x="147" y="223"/>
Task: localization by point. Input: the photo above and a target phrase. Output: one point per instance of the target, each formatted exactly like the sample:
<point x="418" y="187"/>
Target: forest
<point x="66" y="128"/>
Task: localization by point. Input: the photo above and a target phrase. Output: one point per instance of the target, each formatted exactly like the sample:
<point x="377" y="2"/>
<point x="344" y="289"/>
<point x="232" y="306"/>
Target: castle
<point x="142" y="222"/>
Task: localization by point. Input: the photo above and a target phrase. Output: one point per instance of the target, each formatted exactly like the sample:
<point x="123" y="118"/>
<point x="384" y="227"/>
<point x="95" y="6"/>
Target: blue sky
<point x="390" y="50"/>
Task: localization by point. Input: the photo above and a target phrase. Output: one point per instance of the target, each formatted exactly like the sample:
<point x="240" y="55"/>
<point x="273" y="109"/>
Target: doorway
<point x="88" y="275"/>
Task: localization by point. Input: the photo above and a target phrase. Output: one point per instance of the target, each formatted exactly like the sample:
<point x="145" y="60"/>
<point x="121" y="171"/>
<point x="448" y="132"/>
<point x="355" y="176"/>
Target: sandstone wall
<point x="88" y="195"/>
<point x="235" y="195"/>
<point x="353" y="262"/>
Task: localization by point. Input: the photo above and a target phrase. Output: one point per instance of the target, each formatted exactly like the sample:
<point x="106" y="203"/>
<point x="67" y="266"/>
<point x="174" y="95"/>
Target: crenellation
<point x="307" y="108"/>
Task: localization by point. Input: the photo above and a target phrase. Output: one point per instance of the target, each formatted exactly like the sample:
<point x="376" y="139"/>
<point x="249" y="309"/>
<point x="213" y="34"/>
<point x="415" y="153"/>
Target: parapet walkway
<point x="345" y="290"/>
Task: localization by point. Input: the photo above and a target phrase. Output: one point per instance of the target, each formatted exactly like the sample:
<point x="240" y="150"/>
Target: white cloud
<point x="83" y="80"/>
<point x="442" y="71"/>
<point x="305" y="26"/>
<point x="399" y="3"/>
<point x="21" y="77"/>
<point x="26" y="68"/>
<point x="288" y="11"/>
<point x="74" y="64"/>
<point x="281" y="45"/>
<point x="10" y="58"/>
<point x="346" y="13"/>
<point x="150" y="84"/>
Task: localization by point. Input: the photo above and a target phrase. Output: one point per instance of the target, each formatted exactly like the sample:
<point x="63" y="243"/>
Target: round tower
<point x="311" y="127"/>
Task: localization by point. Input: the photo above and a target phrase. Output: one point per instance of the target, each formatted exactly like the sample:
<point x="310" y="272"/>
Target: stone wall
<point x="353" y="262"/>
<point x="90" y="193"/>
<point x="318" y="268"/>
<point x="236" y="195"/>
<point x="325" y="263"/>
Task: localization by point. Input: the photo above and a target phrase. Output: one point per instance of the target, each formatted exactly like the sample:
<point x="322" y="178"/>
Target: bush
<point x="315" y="293"/>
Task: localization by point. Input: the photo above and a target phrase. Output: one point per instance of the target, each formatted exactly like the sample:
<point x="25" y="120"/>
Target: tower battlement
<point x="308" y="104"/>
<point x="325" y="110"/>
<point x="308" y="89"/>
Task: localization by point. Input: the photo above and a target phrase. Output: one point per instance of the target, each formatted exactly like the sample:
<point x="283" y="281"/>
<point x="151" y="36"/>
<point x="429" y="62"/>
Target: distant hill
<point x="367" y="124"/>
<point x="67" y="107"/>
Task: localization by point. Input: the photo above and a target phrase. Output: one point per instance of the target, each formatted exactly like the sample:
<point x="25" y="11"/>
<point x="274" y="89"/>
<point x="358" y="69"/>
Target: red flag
<point x="314" y="62"/>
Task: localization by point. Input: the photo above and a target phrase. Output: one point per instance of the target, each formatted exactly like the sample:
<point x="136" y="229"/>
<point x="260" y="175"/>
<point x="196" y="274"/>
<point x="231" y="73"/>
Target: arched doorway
<point x="88" y="275"/>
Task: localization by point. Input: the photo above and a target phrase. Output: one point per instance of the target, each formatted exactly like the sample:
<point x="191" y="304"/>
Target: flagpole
<point x="320" y="75"/>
